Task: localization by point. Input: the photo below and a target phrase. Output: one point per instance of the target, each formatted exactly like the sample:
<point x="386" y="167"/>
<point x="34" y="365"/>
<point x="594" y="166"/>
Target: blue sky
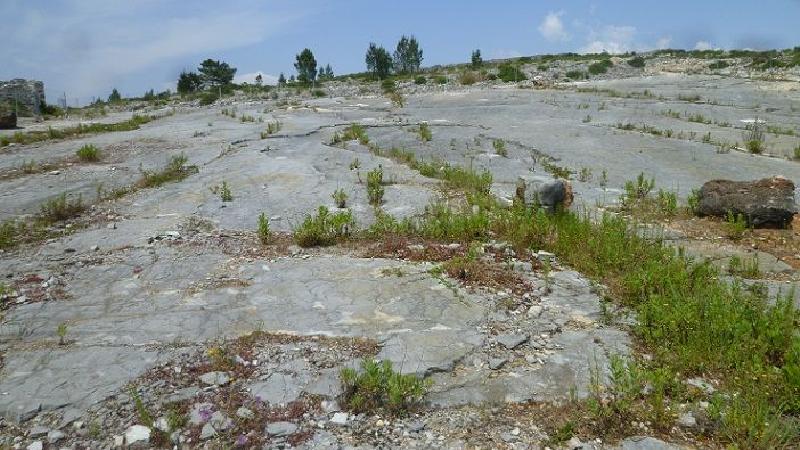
<point x="87" y="47"/>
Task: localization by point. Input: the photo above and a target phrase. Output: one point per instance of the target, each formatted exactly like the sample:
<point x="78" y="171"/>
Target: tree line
<point x="380" y="63"/>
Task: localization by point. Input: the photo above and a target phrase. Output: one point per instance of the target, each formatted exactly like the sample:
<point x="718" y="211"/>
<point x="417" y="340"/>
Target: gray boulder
<point x="768" y="202"/>
<point x="538" y="190"/>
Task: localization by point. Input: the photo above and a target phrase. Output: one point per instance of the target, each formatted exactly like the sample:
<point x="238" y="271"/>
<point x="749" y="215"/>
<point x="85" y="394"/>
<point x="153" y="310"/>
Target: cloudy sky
<point x="87" y="47"/>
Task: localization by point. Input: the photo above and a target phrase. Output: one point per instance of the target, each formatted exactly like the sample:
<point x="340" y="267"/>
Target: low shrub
<point x="377" y="387"/>
<point x="375" y="189"/>
<point x="88" y="153"/>
<point x="324" y="228"/>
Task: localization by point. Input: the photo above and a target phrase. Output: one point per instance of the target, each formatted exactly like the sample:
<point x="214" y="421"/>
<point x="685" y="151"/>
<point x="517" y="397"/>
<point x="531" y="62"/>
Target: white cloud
<point x="552" y="28"/>
<point x="611" y="39"/>
<point x="251" y="78"/>
<point x="664" y="42"/>
<point x="703" y="45"/>
<point x="88" y="46"/>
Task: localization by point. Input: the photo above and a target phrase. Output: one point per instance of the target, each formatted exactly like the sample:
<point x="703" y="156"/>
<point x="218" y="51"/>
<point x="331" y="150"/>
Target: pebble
<point x="36" y="445"/>
<point x="207" y="432"/>
<point x="137" y="433"/>
<point x="215" y="378"/>
<point x="339" y="418"/>
<point x="54" y="436"/>
<point x="280" y="428"/>
<point x="497" y="363"/>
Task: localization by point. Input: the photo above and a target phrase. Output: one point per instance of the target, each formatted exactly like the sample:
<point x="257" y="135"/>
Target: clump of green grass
<point x="246" y="118"/>
<point x="355" y="164"/>
<point x="61" y="208"/>
<point x="735" y="225"/>
<point x="264" y="233"/>
<point x="378" y="388"/>
<point x="500" y="147"/>
<point x="420" y="79"/>
<point x="440" y="79"/>
<point x="225" y="193"/>
<point x="585" y="174"/>
<point x="88" y="153"/>
<point x="354" y="132"/>
<point x="339" y="198"/>
<point x="61" y="332"/>
<point x="324" y="229"/>
<point x="796" y="155"/>
<point x="272" y="128"/>
<point x="424" y="131"/>
<point x="375" y="188"/>
<point x="747" y="268"/>
<point x="639" y="189"/>
<point x="175" y="170"/>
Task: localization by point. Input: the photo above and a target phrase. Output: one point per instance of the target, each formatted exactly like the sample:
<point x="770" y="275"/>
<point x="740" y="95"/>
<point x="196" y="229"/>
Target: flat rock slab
<point x="566" y="371"/>
<point x="425" y="325"/>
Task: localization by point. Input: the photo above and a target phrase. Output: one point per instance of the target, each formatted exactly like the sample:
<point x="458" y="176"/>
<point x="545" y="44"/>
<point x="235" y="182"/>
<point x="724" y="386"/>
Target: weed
<point x="424" y="131"/>
<point x="61" y="332"/>
<point x="375" y="189"/>
<point x="246" y="118"/>
<point x="272" y="128"/>
<point x="693" y="201"/>
<point x="587" y="119"/>
<point x="754" y="136"/>
<point x="339" y="198"/>
<point x="639" y="189"/>
<point x="667" y="202"/>
<point x="355" y="164"/>
<point x="145" y="418"/>
<point x="225" y="193"/>
<point x="500" y="147"/>
<point x="264" y="233"/>
<point x="736" y="225"/>
<point x="324" y="228"/>
<point x="351" y="133"/>
<point x="747" y="268"/>
<point x="175" y="170"/>
<point x="88" y="153"/>
<point x="585" y="174"/>
<point x="397" y="99"/>
<point x="60" y="209"/>
<point x="797" y="153"/>
<point x="467" y="78"/>
<point x="379" y="387"/>
<point x="420" y="79"/>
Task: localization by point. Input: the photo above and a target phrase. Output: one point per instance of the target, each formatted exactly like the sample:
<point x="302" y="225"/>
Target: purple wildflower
<point x="205" y="414"/>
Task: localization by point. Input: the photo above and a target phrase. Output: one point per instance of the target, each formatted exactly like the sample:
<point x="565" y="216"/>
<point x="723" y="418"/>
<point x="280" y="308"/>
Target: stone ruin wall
<point x="29" y="94"/>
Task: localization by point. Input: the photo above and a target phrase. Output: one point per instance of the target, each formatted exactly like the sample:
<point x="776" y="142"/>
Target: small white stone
<point x="137" y="433"/>
<point x="37" y="445"/>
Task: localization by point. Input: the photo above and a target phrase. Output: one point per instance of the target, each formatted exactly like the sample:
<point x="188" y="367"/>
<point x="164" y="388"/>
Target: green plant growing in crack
<point x="225" y="193"/>
<point x="145" y="418"/>
<point x="735" y="225"/>
<point x="378" y="387"/>
<point x="264" y="233"/>
<point x="61" y="332"/>
<point x="425" y="133"/>
<point x="339" y="198"/>
<point x="500" y="147"/>
<point x="324" y="229"/>
<point x="375" y="188"/>
<point x="88" y="153"/>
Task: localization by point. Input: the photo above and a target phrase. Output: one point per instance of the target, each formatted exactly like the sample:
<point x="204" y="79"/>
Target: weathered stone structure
<point x="29" y="94"/>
